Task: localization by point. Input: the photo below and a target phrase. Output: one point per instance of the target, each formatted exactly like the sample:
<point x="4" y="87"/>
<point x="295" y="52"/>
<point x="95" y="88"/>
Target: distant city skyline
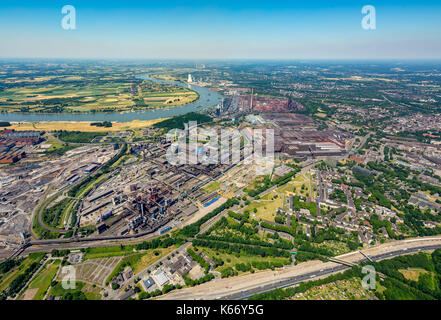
<point x="221" y="30"/>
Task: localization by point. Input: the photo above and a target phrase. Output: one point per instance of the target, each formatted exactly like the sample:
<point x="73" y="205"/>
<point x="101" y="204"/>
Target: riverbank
<point x="206" y="99"/>
<point x="81" y="125"/>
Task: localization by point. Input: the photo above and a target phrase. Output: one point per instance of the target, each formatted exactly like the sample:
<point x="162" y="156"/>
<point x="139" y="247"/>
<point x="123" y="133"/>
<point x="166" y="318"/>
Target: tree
<point x="115" y="286"/>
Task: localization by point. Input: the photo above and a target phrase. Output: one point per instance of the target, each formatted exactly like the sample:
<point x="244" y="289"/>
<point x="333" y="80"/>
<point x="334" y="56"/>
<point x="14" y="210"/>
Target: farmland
<point x="84" y="88"/>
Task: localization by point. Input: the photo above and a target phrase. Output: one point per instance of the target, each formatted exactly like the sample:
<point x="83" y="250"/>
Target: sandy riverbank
<point x="81" y="126"/>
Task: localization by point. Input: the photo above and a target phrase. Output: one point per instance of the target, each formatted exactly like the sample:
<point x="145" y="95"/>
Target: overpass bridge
<point x="351" y="264"/>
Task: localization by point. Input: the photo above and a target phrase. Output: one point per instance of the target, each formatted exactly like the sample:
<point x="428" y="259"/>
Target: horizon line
<point x="223" y="59"/>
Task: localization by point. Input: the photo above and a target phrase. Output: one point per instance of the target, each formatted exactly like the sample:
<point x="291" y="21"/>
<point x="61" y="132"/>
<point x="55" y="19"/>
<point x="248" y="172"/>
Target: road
<point x="37" y="209"/>
<point x="363" y="141"/>
<point x="247" y="285"/>
<point x="72" y="244"/>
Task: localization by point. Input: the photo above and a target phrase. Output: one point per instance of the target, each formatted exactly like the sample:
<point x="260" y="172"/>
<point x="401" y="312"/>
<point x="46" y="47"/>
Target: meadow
<point x="87" y="88"/>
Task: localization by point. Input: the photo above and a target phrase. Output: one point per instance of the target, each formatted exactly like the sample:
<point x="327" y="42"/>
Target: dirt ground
<point x="80" y="126"/>
<point x="196" y="273"/>
<point x="29" y="294"/>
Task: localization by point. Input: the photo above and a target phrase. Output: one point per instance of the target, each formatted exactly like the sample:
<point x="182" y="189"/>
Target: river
<point x="207" y="99"/>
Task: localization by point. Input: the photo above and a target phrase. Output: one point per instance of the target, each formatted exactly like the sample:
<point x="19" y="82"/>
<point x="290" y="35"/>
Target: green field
<point x="78" y="136"/>
<point x="91" y="292"/>
<point x="212" y="187"/>
<point x="150" y="257"/>
<point x="230" y="260"/>
<point x="140" y="261"/>
<point x="14" y="273"/>
<point x="86" y="88"/>
<point x="336" y="247"/>
<point x="295" y="186"/>
<point x="105" y="252"/>
<point x="407" y="277"/>
<point x="350" y="289"/>
<point x="266" y="209"/>
<point x="43" y="280"/>
<point x="59" y="291"/>
<point x="57" y="147"/>
<point x="122" y="160"/>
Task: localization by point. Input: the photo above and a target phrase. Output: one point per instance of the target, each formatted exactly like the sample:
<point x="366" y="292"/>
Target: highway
<point x="314" y="276"/>
<point x="244" y="286"/>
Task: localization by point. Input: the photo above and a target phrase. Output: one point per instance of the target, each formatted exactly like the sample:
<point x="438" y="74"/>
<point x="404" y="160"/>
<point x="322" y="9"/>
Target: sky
<point x="195" y="29"/>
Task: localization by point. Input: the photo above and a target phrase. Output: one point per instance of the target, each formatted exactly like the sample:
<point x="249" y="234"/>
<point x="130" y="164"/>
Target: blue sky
<point x="195" y="29"/>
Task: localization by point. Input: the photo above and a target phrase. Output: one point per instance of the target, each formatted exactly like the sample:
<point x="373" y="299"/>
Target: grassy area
<point x="65" y="213"/>
<point x="14" y="273"/>
<point x="92" y="292"/>
<point x="55" y="144"/>
<point x="150" y="258"/>
<point x="41" y="232"/>
<point x="105" y="252"/>
<point x="59" y="291"/>
<point x="81" y="126"/>
<point x="256" y="183"/>
<point x="266" y="209"/>
<point x="43" y="280"/>
<point x="60" y="150"/>
<point x="129" y="260"/>
<point x="321" y="115"/>
<point x="269" y="196"/>
<point x="407" y="277"/>
<point x="413" y="274"/>
<point x="91" y="185"/>
<point x="337" y="247"/>
<point x="122" y="160"/>
<point x="57" y="147"/>
<point x="153" y="95"/>
<point x="179" y="121"/>
<point x="350" y="289"/>
<point x="230" y="260"/>
<point x="140" y="261"/>
<point x="53" y="215"/>
<point x="78" y="136"/>
<point x="67" y="97"/>
<point x="212" y="187"/>
<point x="166" y="77"/>
<point x="302" y="184"/>
<point x="89" y="91"/>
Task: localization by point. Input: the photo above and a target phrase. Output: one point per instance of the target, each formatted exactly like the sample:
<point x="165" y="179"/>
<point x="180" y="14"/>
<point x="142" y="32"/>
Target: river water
<point x="207" y="99"/>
